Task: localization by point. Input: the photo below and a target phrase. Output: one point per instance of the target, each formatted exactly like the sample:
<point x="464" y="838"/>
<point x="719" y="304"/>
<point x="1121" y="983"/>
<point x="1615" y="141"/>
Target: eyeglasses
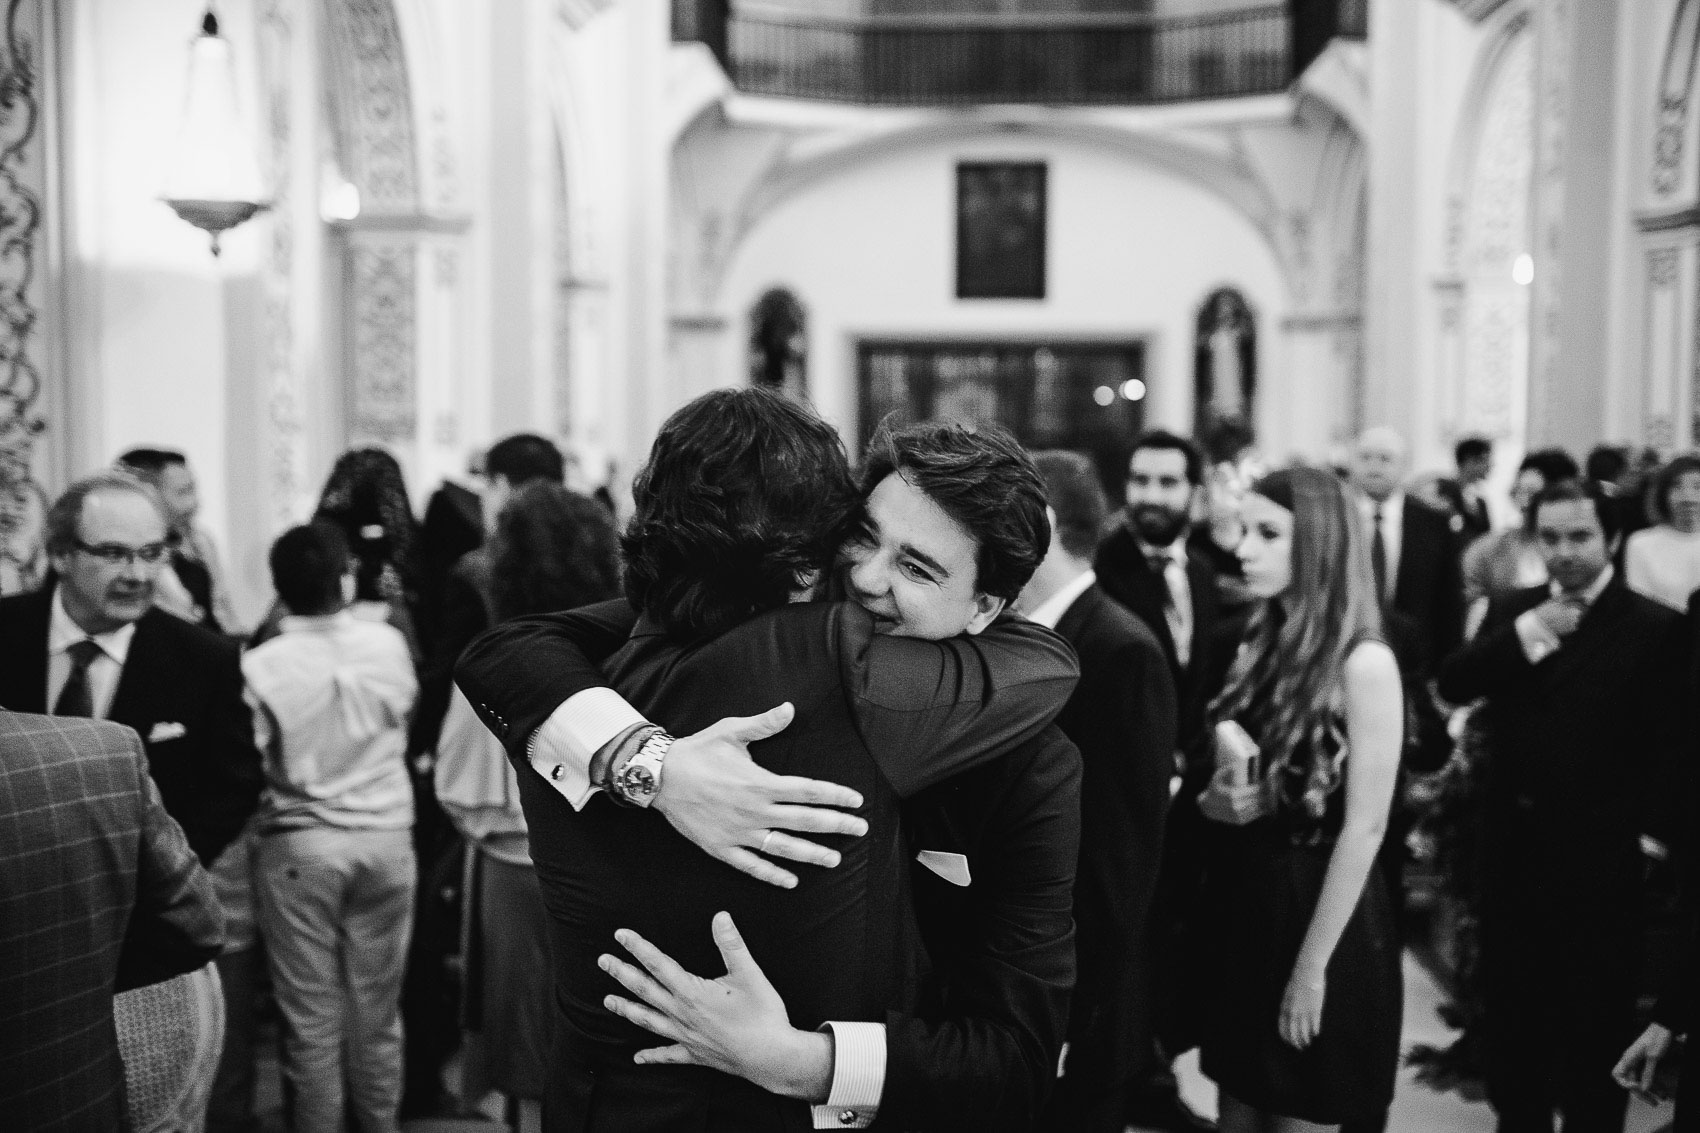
<point x="117" y="554"/>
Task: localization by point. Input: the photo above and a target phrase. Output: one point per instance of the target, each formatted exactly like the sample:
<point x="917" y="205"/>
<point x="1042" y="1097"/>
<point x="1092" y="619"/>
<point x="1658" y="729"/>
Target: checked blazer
<point x="99" y="893"/>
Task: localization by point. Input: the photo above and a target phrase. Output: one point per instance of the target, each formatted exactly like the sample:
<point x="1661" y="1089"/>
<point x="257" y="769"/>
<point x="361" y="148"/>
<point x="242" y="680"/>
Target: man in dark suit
<point x="92" y="644"/>
<point x="1122" y="718"/>
<point x="1473" y="458"/>
<point x="1582" y="687"/>
<point x="99" y="893"/>
<point x="887" y="713"/>
<point x="1146" y="563"/>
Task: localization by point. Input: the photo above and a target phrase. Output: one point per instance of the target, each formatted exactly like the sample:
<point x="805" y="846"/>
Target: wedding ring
<point x="764" y="841"/>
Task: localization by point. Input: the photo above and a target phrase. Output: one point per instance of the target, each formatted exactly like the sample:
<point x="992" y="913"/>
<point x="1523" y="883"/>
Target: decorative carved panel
<point x="379" y="150"/>
<point x="1676" y="86"/>
<point x="23" y="159"/>
<point x="382" y="286"/>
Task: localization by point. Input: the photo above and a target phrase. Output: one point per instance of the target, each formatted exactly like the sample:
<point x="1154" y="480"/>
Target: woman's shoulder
<point x="1369" y="657"/>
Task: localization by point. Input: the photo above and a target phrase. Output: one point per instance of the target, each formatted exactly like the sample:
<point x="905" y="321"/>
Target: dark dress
<point x="1263" y="884"/>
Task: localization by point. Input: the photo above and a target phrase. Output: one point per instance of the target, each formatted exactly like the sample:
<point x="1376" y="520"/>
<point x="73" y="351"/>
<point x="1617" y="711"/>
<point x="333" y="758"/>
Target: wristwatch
<point x="639" y="779"/>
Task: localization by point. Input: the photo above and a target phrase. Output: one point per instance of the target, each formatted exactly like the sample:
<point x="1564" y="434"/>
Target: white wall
<point x="1132" y="252"/>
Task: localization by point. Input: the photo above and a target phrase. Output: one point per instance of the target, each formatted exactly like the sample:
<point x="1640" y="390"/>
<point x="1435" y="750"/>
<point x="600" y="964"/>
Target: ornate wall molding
<point x="375" y="107"/>
<point x="284" y="439"/>
<point x="23" y="500"/>
<point x="1555" y="29"/>
<point x="1676" y="85"/>
<point x="383" y="287"/>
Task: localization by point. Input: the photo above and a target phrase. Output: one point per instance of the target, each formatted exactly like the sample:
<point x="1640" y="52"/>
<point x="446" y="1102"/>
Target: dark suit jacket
<point x="1471" y="518"/>
<point x="465" y="613"/>
<point x="176" y="674"/>
<point x="99" y="893"/>
<point x="1426" y="613"/>
<point x="453" y="525"/>
<point x="887" y="716"/>
<point x="1583" y="749"/>
<point x="1122" y="717"/>
<point x="1125" y="575"/>
<point x="980" y="1051"/>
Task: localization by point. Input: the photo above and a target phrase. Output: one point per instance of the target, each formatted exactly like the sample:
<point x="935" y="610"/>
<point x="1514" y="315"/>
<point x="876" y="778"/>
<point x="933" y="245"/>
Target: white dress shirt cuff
<point x="858" y="1076"/>
<point x="562" y="748"/>
<point x="1539" y="642"/>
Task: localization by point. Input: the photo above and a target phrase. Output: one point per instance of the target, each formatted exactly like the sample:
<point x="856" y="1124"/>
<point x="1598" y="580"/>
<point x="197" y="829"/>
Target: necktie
<point x="1378" y="556"/>
<point x="1177" y="604"/>
<point x="76" y="698"/>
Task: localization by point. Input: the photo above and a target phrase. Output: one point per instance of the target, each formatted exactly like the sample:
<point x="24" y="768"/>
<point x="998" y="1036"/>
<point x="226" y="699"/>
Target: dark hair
<point x="525" y="457"/>
<point x="983" y="479"/>
<point x="1172" y="442"/>
<point x="1658" y="493"/>
<point x="1606" y="463"/>
<point x="552" y="549"/>
<point x="744" y="495"/>
<point x="65" y="517"/>
<point x="307" y="564"/>
<point x="150" y="463"/>
<point x="1566" y="491"/>
<point x="1471" y="448"/>
<point x="366" y="497"/>
<point x="1076" y="497"/>
<point x="1554" y="464"/>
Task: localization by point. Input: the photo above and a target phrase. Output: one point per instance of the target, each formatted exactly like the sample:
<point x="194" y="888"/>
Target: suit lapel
<point x="1080" y="611"/>
<point x="136" y="681"/>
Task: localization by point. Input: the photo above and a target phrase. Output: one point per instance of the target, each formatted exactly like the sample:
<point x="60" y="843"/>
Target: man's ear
<point x="61" y="564"/>
<point x="1612" y="545"/>
<point x="986" y="610"/>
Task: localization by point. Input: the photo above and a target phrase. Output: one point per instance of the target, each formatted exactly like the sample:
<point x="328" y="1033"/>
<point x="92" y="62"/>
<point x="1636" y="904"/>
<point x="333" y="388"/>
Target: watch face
<point x="638" y="780"/>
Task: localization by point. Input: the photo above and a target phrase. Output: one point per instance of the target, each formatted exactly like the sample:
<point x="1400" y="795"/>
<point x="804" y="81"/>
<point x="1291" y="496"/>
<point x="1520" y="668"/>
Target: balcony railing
<point x="1091" y="58"/>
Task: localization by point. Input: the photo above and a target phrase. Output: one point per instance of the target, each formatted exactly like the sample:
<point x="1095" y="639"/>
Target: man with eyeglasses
<point x="90" y="643"/>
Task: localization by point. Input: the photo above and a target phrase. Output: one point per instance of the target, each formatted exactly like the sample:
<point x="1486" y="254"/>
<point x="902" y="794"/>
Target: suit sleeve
<point x="517" y="674"/>
<point x="928" y="710"/>
<point x="1146" y="718"/>
<point x="1488" y="662"/>
<point x="231" y="776"/>
<point x="989" y="1059"/>
<point x="176" y="924"/>
<point x="1449" y="600"/>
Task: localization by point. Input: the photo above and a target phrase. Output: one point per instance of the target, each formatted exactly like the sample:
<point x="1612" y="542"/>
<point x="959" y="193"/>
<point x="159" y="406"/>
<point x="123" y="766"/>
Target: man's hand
<point x="1560" y="615"/>
<point x="736" y="1024"/>
<point x="736" y="811"/>
<point x="1638" y="1069"/>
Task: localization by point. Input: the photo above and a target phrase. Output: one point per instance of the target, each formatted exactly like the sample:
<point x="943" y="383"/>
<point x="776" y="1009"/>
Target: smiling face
<point x="99" y="595"/>
<point x="1266" y="549"/>
<point x="914" y="567"/>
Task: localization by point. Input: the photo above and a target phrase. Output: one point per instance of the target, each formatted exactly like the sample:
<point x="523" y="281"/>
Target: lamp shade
<point x="212" y="176"/>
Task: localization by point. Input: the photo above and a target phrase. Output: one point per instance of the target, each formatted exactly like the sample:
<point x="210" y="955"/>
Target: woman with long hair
<point x="552" y="549"/>
<point x="1301" y="1028"/>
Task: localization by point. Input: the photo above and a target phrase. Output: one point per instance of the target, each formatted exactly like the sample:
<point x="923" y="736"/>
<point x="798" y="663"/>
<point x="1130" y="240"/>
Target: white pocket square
<point x="952" y="867"/>
<point x="166" y="730"/>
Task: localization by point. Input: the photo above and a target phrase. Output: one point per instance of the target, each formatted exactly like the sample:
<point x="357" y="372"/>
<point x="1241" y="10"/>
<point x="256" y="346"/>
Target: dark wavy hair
<point x="366" y="497"/>
<point x="744" y="496"/>
<point x="983" y="479"/>
<point x="552" y="549"/>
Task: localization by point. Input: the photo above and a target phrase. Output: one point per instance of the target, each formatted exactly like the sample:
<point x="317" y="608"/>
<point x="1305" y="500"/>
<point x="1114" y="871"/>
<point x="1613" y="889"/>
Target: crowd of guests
<point x="990" y="797"/>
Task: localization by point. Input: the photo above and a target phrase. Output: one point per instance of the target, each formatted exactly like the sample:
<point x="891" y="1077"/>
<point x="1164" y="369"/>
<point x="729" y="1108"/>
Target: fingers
<point x="816" y="820"/>
<point x="758" y="867"/>
<point x="748" y="729"/>
<point x="636" y="981"/>
<point x="815" y="792"/>
<point x="662" y="966"/>
<point x="648" y="1019"/>
<point x="781" y="845"/>
<point x="675" y="1055"/>
<point x="733" y="951"/>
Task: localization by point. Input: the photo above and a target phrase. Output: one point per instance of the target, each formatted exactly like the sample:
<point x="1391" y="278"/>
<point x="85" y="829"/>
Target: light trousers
<point x="336" y="912"/>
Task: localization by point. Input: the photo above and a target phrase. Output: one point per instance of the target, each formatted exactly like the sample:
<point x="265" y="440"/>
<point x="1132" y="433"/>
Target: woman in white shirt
<point x="1663" y="562"/>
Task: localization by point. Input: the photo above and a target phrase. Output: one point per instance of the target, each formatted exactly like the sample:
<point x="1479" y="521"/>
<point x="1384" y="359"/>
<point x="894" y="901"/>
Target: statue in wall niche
<point x="779" y="345"/>
<point x="1225" y="365"/>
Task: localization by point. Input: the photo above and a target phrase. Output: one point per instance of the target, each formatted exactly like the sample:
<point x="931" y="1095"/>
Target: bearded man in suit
<point x="92" y="644"/>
